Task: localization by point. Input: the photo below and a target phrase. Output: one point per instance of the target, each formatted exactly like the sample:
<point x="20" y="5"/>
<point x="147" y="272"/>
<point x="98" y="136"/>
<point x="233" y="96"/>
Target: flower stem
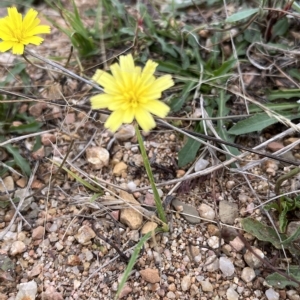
<point x="158" y="203"/>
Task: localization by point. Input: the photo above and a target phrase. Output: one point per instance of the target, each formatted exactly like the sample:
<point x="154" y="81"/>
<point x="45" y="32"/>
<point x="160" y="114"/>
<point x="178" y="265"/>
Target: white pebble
<point x="186" y="283"/>
<point x="131" y="185"/>
<point x="232" y="294"/>
<point x="17" y="247"/>
<point x="271" y="294"/>
<point x="293" y="295"/>
<point x="201" y="164"/>
<point x="27" y="290"/>
<point x="248" y="274"/>
<point x="251" y="260"/>
<point x="206" y="286"/>
<point x="213" y="242"/>
<point x="226" y="266"/>
<point x="207" y="212"/>
<point x="212" y="263"/>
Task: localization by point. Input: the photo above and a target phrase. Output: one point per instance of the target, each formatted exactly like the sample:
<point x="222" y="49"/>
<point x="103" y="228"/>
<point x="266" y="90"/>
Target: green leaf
<point x="292" y="238"/>
<point x="283" y="94"/>
<point x="177" y="103"/>
<point x="26" y="128"/>
<point x="132" y="262"/>
<point x="189" y="151"/>
<point x="267" y="234"/>
<point x="283" y="217"/>
<point x="252" y="34"/>
<point x="20" y="161"/>
<point x="225" y="68"/>
<point x="261" y="231"/>
<point x="279" y="281"/>
<point x="296" y="6"/>
<point x="281" y="27"/>
<point x="241" y="15"/>
<point x="294" y="73"/>
<point x="221" y="128"/>
<point x="279" y="107"/>
<point x="257" y="123"/>
<point x="38" y="143"/>
<point x="16" y="70"/>
<point x="6" y="203"/>
<point x="95" y="197"/>
<point x="165" y="46"/>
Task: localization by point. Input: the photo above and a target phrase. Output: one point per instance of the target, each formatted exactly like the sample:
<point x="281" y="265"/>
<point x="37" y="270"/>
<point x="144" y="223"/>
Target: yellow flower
<point x="131" y="93"/>
<point x="17" y="33"/>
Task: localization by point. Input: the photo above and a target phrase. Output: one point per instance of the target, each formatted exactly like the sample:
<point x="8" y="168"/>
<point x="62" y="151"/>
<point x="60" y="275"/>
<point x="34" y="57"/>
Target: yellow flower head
<point x="131" y="92"/>
<point x="16" y="32"/>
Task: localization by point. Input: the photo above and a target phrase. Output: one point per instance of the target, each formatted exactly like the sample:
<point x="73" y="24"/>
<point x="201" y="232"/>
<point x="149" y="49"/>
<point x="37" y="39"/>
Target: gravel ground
<point x="64" y="241"/>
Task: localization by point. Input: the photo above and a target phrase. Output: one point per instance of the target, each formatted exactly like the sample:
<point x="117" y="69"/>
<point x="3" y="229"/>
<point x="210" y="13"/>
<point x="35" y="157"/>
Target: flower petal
<point x="101" y="101"/>
<point x="128" y="115"/>
<point x="126" y="62"/>
<point x="14" y="17"/>
<point x="6" y="45"/>
<point x="35" y="40"/>
<point x="30" y="20"/>
<point x="38" y="30"/>
<point x="162" y="83"/>
<point x="157" y="108"/>
<point x="128" y="71"/>
<point x="114" y="121"/>
<point x="18" y="48"/>
<point x="144" y="119"/>
<point x="148" y="72"/>
<point x="117" y="74"/>
<point x="107" y="81"/>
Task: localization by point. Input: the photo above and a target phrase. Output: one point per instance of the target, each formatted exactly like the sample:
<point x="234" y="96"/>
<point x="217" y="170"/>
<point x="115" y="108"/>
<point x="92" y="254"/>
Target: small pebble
<point x="293" y="295"/>
<point x="186" y="283"/>
<point x="271" y="294"/>
<point x="201" y="164"/>
<point x="207" y="212"/>
<point x="275" y="146"/>
<point x="98" y="157"/>
<point x="214" y="242"/>
<point x="125" y="133"/>
<point x="59" y="246"/>
<point x="232" y="294"/>
<point x="230" y="184"/>
<point x="131" y="185"/>
<point x="17" y="247"/>
<point x="171" y="295"/>
<point x="237" y="244"/>
<point x="228" y="212"/>
<point x="180" y="173"/>
<point x="206" y="286"/>
<point x="85" y="234"/>
<point x="148" y="226"/>
<point x="119" y="168"/>
<point x="190" y="213"/>
<point x="9" y="184"/>
<point x="248" y="274"/>
<point x="27" y="290"/>
<point x="212" y="264"/>
<point x="125" y="291"/>
<point x="253" y="261"/>
<point x="150" y="275"/>
<point x="226" y="266"/>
